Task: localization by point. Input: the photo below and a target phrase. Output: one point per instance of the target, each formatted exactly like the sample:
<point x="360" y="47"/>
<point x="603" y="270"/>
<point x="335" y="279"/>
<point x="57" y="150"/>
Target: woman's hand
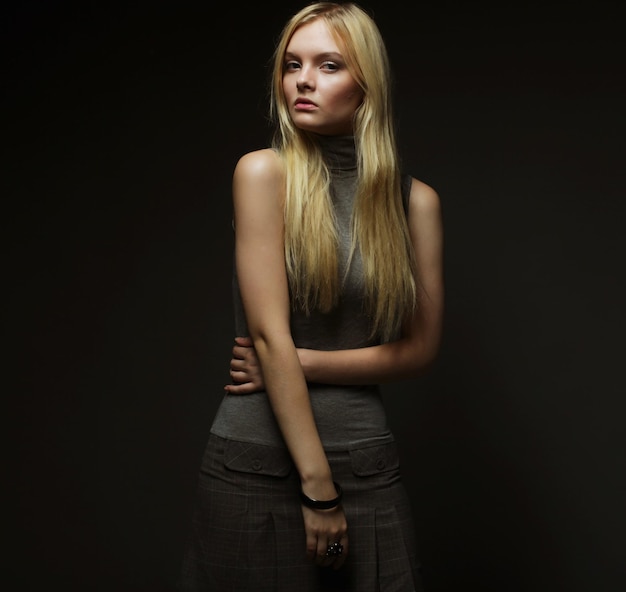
<point x="245" y="369"/>
<point x="324" y="528"/>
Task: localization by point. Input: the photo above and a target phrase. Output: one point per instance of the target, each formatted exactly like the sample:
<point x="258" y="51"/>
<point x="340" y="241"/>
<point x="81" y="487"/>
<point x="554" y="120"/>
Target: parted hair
<point x="379" y="226"/>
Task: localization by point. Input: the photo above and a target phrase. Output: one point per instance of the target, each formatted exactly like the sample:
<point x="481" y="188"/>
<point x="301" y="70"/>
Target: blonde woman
<point x="338" y="288"/>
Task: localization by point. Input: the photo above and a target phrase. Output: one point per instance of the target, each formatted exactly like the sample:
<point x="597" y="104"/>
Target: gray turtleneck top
<point x="346" y="416"/>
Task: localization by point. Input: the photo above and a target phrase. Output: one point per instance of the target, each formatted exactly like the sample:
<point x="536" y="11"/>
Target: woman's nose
<point x="305" y="80"/>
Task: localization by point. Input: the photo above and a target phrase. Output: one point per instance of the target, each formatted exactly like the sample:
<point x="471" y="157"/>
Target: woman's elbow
<point x="422" y="360"/>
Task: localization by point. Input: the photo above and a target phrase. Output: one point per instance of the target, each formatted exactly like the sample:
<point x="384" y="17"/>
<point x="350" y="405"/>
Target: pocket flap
<point x="248" y="457"/>
<point x="376" y="459"/>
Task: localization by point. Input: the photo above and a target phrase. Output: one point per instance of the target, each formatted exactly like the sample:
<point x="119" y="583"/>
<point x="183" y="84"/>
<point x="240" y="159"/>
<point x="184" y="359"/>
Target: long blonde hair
<point x="379" y="226"/>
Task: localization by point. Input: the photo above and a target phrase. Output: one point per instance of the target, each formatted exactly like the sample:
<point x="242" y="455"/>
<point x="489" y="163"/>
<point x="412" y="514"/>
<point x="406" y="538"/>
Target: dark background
<point x="122" y="122"/>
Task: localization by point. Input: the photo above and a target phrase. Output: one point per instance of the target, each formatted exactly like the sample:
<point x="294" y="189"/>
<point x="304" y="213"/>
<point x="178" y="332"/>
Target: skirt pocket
<point x="382" y="555"/>
<point x="252" y="498"/>
<point x="375" y="459"/>
<point x="257" y="459"/>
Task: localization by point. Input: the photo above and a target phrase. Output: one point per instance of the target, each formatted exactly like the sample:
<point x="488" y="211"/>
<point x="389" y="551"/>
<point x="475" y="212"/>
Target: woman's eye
<point x="291" y="66"/>
<point x="330" y="66"/>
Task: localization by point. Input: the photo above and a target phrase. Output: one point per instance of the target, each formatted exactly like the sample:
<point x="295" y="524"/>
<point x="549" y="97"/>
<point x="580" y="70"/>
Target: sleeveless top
<point x="347" y="417"/>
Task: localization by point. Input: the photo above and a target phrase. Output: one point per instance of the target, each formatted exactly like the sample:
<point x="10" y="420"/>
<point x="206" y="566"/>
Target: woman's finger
<point x="238" y="376"/>
<point x="311" y="546"/>
<point x="237" y="365"/>
<point x="341" y="557"/>
<point x="325" y="556"/>
<point x="240" y="353"/>
<point x="245" y="388"/>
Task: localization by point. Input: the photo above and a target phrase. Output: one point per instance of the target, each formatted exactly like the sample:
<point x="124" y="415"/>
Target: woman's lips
<point x="304" y="105"/>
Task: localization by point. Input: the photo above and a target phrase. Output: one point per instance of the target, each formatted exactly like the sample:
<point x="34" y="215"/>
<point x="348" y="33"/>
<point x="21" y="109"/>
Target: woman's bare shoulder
<point x="259" y="166"/>
<point x="423" y="198"/>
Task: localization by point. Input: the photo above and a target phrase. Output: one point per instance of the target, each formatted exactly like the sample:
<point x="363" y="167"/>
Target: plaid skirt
<point x="248" y="533"/>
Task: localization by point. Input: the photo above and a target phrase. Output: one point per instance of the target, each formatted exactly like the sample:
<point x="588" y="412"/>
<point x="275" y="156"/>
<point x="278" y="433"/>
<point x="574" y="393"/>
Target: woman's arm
<point x="415" y="351"/>
<point x="405" y="358"/>
<point x="259" y="258"/>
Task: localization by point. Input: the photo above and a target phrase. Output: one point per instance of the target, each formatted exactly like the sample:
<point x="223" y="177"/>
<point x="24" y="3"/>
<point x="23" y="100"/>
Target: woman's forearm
<point x="288" y="395"/>
<point x="388" y="362"/>
<point x="406" y="358"/>
<point x="416" y="350"/>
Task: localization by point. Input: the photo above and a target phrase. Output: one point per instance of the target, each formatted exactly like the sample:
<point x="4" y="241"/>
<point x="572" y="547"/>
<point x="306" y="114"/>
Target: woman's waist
<point x="344" y="415"/>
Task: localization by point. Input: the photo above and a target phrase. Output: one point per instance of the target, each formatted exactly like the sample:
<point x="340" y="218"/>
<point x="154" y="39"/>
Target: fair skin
<point x="322" y="97"/>
<point x="408" y="357"/>
<point x="258" y="214"/>
<point x="321" y="94"/>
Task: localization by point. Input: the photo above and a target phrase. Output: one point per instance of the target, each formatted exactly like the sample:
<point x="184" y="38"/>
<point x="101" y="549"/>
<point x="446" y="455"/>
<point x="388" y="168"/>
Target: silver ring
<point x="334" y="550"/>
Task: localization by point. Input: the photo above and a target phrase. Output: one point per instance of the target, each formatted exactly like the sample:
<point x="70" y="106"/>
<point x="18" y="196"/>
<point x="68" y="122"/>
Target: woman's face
<point x="321" y="94"/>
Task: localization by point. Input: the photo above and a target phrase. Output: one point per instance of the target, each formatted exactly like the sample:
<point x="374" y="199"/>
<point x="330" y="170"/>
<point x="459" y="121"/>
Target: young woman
<point x="338" y="287"/>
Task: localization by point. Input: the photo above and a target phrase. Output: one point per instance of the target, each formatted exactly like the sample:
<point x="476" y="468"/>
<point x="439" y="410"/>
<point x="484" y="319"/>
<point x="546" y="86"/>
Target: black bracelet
<point x="322" y="505"/>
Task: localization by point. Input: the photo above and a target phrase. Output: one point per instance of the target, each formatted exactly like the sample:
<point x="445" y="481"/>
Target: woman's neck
<point x="339" y="152"/>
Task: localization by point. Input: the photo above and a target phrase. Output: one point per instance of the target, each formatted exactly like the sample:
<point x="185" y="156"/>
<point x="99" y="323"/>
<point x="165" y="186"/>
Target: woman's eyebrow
<point x="327" y="55"/>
